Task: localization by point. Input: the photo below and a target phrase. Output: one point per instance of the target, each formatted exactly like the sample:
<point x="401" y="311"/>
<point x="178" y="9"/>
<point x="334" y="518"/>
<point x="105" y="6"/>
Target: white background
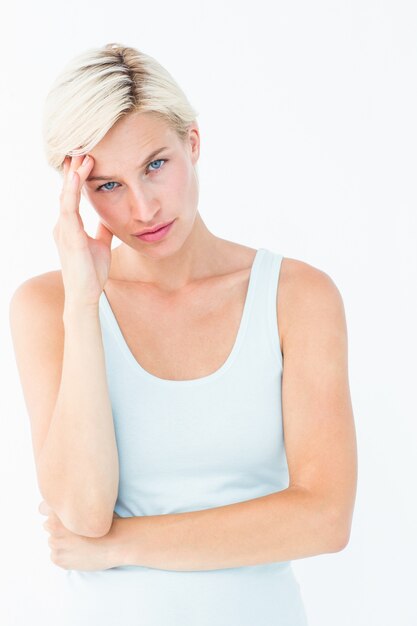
<point x="307" y="113"/>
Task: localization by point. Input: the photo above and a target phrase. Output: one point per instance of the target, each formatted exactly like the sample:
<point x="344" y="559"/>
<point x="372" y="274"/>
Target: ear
<point x="194" y="140"/>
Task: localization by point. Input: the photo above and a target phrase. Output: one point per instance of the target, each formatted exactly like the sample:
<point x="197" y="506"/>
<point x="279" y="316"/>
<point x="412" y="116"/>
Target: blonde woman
<point x="161" y="376"/>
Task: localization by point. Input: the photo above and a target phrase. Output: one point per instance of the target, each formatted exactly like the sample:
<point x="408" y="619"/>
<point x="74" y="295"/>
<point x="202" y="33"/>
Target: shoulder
<point x="307" y="298"/>
<point x="48" y="280"/>
<point x="306" y="281"/>
<point x="41" y="292"/>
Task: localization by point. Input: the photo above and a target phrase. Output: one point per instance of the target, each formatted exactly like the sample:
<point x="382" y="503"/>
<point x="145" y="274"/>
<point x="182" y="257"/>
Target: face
<point x="143" y="188"/>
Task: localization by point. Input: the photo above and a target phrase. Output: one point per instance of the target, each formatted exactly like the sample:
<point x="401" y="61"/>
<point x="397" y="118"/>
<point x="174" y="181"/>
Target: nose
<point x="143" y="206"/>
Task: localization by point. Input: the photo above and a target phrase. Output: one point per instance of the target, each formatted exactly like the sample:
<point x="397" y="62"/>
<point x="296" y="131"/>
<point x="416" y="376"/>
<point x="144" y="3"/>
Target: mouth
<point x="156" y="233"/>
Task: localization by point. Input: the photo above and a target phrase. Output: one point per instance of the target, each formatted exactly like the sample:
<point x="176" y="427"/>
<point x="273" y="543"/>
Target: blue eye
<point x="108" y="190"/>
<point x="157" y="161"/>
<point x="101" y="188"/>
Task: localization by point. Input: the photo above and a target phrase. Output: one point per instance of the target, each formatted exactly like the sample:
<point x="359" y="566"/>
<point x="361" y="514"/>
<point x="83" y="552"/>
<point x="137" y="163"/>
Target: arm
<point x="60" y="358"/>
<point x="313" y="515"/>
<point x="289" y="524"/>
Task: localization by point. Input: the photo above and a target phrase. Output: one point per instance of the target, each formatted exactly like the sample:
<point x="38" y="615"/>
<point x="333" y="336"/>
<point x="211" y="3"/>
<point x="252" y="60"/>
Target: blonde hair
<point x="100" y="86"/>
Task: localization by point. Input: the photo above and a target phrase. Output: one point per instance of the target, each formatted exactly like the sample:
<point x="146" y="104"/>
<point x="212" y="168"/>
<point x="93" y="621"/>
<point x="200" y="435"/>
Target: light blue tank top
<point x="186" y="445"/>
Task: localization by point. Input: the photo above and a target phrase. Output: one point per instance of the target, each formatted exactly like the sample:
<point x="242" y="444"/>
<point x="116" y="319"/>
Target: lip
<point x="156" y="234"/>
<point x="152" y="230"/>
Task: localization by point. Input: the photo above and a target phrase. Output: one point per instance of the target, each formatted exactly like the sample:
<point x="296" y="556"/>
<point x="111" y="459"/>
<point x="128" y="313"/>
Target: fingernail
<point x="85" y="160"/>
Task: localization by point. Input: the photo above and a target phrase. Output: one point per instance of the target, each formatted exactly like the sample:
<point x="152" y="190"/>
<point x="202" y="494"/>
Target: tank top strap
<point x="262" y="334"/>
<point x="257" y="343"/>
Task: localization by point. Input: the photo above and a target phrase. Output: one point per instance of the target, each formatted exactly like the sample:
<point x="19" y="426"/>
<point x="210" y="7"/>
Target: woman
<point x="170" y="368"/>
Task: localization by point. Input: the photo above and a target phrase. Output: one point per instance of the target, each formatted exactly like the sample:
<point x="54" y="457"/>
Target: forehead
<point x="135" y="132"/>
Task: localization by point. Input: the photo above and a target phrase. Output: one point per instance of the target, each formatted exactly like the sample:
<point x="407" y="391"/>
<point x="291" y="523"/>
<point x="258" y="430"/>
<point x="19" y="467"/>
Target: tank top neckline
<point x="137" y="367"/>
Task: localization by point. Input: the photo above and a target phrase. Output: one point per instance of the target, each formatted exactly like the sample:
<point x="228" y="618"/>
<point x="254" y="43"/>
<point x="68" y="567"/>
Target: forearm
<point x="79" y="470"/>
<point x="286" y="525"/>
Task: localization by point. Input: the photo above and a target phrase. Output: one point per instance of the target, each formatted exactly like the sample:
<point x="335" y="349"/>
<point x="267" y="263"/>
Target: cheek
<point x="99" y="205"/>
<point x="181" y="182"/>
<point x="89" y="196"/>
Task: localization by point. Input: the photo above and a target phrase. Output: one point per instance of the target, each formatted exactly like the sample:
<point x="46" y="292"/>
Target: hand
<point x="85" y="261"/>
<point x="71" y="551"/>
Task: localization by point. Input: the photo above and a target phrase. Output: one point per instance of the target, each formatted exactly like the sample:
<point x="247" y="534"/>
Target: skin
<point x="192" y="265"/>
<point x="72" y="551"/>
<point x="133" y="200"/>
<point x="150" y="195"/>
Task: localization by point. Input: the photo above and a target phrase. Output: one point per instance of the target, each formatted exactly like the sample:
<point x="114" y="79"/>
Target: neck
<point x="197" y="258"/>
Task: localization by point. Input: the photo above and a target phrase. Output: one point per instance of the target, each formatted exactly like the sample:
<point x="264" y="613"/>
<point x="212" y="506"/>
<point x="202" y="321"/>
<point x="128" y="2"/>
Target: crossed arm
<point x="285" y="525"/>
<point x="313" y="515"/>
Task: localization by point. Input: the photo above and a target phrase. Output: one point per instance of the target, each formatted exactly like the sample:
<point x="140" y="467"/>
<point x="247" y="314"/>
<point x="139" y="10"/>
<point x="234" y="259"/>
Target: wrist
<point x="118" y="542"/>
<point x="115" y="544"/>
<point x="74" y="312"/>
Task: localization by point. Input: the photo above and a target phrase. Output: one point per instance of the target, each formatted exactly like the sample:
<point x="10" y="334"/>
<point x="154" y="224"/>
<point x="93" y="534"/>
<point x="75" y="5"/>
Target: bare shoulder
<point x="36" y="308"/>
<point x="42" y="288"/>
<point x="307" y="297"/>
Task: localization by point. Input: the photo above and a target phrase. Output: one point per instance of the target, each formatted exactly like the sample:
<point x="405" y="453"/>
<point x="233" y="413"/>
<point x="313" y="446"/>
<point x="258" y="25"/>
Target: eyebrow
<point x="147" y="160"/>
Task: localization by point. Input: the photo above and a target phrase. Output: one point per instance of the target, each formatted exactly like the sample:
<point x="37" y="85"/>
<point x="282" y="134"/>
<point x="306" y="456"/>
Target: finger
<point x="67" y="196"/>
<point x="54" y="522"/>
<point x="75" y="161"/>
<point x="64" y="168"/>
<point x="66" y="165"/>
<point x="78" y="171"/>
<point x="44" y="508"/>
<point x="74" y="164"/>
<point x="72" y="173"/>
<point x="85" y="168"/>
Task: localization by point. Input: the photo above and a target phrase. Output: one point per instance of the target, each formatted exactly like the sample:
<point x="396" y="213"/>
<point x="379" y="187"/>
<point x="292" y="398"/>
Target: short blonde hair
<point x="100" y="86"/>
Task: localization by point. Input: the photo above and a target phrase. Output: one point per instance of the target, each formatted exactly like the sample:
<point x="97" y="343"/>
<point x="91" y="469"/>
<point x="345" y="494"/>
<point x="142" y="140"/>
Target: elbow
<point x="87" y="525"/>
<point x="338" y="532"/>
<point x="340" y="542"/>
<point x="88" y="520"/>
<point x="95" y="523"/>
<point x="102" y="527"/>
